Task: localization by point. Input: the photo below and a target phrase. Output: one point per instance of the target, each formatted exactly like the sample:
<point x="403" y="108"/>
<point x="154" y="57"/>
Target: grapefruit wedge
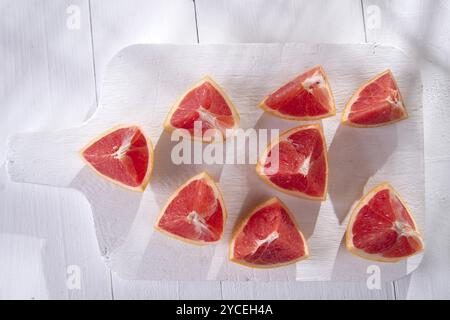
<point x="296" y="163"/>
<point x="195" y="213"/>
<point x="381" y="227"/>
<point x="207" y="105"/>
<point x="123" y="155"/>
<point x="268" y="237"/>
<point x="377" y="103"/>
<point x="307" y="97"/>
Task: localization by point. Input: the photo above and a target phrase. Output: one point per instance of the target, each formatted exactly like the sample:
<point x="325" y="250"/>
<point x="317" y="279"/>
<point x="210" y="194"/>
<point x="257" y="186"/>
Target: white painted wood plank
<point x="144" y="290"/>
<point x="43" y="63"/>
<point x="421" y="28"/>
<point x="184" y="290"/>
<point x="115" y="25"/>
<point x="120" y="23"/>
<point x="46" y="83"/>
<point x="197" y="290"/>
<point x="304" y="291"/>
<point x="320" y="21"/>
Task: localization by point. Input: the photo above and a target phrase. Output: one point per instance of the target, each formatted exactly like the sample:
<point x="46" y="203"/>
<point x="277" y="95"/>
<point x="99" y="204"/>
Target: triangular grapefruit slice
<point x="307" y="97"/>
<point x="208" y="105"/>
<point x="123" y="155"/>
<point x="381" y="227"/>
<point x="296" y="163"/>
<point x="376" y="103"/>
<point x="268" y="237"/>
<point x="195" y="213"/>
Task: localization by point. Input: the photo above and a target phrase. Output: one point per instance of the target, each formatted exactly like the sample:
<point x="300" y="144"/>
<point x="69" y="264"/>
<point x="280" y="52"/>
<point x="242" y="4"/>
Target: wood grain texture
<point x="323" y="21"/>
<point x="115" y="25"/>
<point x="239" y="29"/>
<point x="254" y="35"/>
<point x="401" y="18"/>
<point x="421" y="27"/>
<point x="110" y="39"/>
<point x="123" y="219"/>
<point x="46" y="82"/>
<point x="184" y="290"/>
<point x="304" y="291"/>
<point x="120" y="23"/>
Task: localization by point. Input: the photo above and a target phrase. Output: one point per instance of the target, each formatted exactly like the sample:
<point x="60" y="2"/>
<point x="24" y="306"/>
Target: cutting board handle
<point x="44" y="157"/>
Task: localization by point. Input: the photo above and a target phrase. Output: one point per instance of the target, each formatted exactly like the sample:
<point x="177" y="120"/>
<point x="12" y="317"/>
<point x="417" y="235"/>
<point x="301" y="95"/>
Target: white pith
<point x="404" y="230"/>
<point x="122" y="151"/>
<point x="401" y="226"/>
<point x="270" y="238"/>
<point x="316" y="79"/>
<point x="198" y="221"/>
<point x="304" y="168"/>
<point x="206" y="116"/>
<point x="397" y="103"/>
<point x="124" y="147"/>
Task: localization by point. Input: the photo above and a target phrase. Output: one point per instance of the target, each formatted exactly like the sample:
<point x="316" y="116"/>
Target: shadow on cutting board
<point x="363" y="268"/>
<point x="114" y="208"/>
<point x="354" y="156"/>
<point x="168" y="176"/>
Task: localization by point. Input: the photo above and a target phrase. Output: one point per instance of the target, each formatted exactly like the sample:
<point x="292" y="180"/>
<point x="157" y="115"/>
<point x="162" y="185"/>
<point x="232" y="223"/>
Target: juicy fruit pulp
<point x="207" y="105"/>
<point x="123" y="156"/>
<point x="306" y="97"/>
<point x="376" y="103"/>
<point x="268" y="238"/>
<point x="297" y="163"/>
<point x="195" y="212"/>
<point x="382" y="228"/>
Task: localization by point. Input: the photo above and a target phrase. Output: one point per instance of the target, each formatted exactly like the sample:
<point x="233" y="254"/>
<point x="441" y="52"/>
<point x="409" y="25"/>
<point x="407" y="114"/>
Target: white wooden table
<point x="53" y="57"/>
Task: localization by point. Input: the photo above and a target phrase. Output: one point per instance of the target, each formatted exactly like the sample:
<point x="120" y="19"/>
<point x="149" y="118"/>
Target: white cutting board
<point x="140" y="85"/>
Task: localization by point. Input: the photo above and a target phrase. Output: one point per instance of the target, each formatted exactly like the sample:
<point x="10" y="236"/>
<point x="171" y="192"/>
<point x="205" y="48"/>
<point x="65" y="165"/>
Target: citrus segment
<point x="122" y="155"/>
<point x="296" y="163"/>
<point x="207" y="105"/>
<point x="195" y="213"/>
<point x="268" y="237"/>
<point x="376" y="103"/>
<point x="381" y="227"/>
<point x="307" y="97"/>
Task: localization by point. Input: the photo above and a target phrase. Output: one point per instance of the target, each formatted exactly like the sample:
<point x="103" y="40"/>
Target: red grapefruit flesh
<point x="195" y="213"/>
<point x="381" y="227"/>
<point x="307" y="97"/>
<point x="376" y="103"/>
<point x="296" y="163"/>
<point x="207" y="104"/>
<point x="122" y="155"/>
<point x="268" y="237"/>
